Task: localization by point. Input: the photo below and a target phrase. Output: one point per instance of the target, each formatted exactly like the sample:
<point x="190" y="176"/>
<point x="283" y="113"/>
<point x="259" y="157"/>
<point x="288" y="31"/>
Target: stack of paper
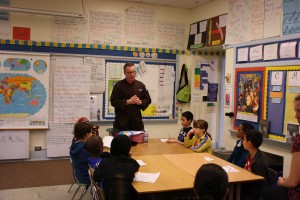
<point x="146" y="177"/>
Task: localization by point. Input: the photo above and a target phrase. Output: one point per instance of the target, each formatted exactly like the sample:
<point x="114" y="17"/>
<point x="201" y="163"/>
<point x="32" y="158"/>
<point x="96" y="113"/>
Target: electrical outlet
<point x="38" y="148"/>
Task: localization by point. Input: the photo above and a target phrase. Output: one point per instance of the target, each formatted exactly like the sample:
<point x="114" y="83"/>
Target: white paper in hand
<point x="107" y="140"/>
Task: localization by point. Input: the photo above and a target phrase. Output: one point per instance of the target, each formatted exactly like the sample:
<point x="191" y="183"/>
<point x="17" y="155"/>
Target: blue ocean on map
<point x="21" y="93"/>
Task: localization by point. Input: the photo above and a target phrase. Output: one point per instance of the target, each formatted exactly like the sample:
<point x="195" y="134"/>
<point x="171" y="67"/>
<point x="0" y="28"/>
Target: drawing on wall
<point x="24" y="83"/>
<point x="248" y="96"/>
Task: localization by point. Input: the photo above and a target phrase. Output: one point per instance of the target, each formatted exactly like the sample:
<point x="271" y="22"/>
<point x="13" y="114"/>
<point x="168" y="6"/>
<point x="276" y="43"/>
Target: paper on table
<point x="107" y="140"/>
<point x="163" y="139"/>
<point x="208" y="158"/>
<point x="141" y="163"/>
<point x="146" y="177"/>
<point x="229" y="169"/>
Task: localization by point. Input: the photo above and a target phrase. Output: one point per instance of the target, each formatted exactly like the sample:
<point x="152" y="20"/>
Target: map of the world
<point x="21" y="95"/>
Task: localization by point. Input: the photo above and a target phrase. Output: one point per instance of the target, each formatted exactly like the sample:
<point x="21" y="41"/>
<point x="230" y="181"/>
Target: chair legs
<point x="83" y="192"/>
<point x="70" y="187"/>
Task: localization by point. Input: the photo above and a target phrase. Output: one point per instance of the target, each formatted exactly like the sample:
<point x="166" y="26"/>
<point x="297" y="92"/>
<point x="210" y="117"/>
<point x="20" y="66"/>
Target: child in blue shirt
<point x="78" y="152"/>
<point x="94" y="145"/>
<point x="186" y="120"/>
<point x="239" y="154"/>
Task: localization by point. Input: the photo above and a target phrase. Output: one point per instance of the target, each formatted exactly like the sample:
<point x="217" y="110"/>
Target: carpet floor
<point x="35" y="174"/>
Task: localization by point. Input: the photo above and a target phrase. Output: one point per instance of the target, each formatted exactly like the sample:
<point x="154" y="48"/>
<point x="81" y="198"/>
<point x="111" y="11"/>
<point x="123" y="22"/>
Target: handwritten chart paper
<point x="70" y="30"/>
<point x="288" y="50"/>
<point x="14" y="144"/>
<point x="270" y="51"/>
<point x="58" y="139"/>
<point x="105" y="28"/>
<point x="238" y="22"/>
<point x="291" y="17"/>
<point x="272" y="18"/>
<point x="256" y="53"/>
<point x="71" y="92"/>
<point x="97" y="66"/>
<point x="257" y="24"/>
<point x="139" y="27"/>
<point x="170" y="35"/>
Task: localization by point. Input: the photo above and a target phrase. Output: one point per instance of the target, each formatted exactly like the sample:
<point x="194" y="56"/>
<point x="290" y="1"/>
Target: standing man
<point x="128" y="97"/>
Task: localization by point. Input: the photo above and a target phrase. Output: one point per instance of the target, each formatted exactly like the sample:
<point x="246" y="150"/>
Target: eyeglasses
<point x="133" y="72"/>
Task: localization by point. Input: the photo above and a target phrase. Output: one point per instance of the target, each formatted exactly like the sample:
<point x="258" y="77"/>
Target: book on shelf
<point x="264" y="126"/>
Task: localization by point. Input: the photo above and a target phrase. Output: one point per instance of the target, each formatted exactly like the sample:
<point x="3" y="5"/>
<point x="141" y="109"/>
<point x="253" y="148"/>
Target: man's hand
<point x="134" y="100"/>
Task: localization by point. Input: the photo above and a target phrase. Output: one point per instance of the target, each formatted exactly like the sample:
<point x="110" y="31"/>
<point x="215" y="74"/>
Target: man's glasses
<point x="133" y="72"/>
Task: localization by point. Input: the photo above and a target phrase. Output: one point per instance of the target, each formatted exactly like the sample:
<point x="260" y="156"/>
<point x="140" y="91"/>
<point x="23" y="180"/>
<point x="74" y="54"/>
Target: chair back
<point x="98" y="193"/>
<point x="273" y="176"/>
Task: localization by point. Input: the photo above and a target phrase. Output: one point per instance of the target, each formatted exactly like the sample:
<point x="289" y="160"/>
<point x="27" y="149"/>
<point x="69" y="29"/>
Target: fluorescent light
<point x="40" y="12"/>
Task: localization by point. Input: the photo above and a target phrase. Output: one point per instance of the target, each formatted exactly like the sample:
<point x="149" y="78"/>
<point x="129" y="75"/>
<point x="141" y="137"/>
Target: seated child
<point x="78" y="152"/>
<point x="94" y="146"/>
<point x="117" y="172"/>
<point x="211" y="182"/>
<point x="201" y="142"/>
<point x="239" y="154"/>
<point x="186" y="120"/>
<point x="256" y="164"/>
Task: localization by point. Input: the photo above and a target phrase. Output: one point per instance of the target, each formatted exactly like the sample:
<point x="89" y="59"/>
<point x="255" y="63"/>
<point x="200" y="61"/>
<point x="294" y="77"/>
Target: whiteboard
<point x="14" y="144"/>
<point x="59" y="139"/>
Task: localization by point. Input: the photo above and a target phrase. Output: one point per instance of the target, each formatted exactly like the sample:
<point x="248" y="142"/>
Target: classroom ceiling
<point x="173" y="3"/>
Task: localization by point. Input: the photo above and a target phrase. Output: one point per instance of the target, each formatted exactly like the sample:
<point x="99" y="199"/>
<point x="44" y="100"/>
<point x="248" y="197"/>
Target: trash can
<point x="221" y="152"/>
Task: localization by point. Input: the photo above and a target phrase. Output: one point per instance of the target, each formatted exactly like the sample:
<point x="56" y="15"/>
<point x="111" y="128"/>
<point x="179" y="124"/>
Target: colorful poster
<point x="24" y="91"/>
<point x="248" y="95"/>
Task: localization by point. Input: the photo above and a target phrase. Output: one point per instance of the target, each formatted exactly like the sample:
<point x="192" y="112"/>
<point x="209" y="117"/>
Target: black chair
<point x="76" y="181"/>
<point x="98" y="193"/>
<point x="273" y="176"/>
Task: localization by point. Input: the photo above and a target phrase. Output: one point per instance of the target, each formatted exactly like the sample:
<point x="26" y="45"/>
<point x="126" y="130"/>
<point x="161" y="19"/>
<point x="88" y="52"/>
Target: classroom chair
<point x="273" y="175"/>
<point x="86" y="186"/>
<point x="97" y="191"/>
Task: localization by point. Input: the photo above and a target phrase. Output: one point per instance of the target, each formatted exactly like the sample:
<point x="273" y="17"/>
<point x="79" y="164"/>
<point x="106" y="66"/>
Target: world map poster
<point x="24" y="91"/>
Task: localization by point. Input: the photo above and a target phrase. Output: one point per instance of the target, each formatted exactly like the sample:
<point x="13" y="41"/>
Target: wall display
<point x="67" y="29"/>
<point x="105" y="28"/>
<point x="159" y="80"/>
<point x="280" y="92"/>
<point x="24" y="85"/>
<point x="59" y="138"/>
<point x="238" y="28"/>
<point x="216" y="30"/>
<point x="291" y="21"/>
<point x="71" y="91"/>
<point x="14" y="144"/>
<point x="248" y="95"/>
<point x="253" y="20"/>
<point x="197" y="36"/>
<point x="97" y="69"/>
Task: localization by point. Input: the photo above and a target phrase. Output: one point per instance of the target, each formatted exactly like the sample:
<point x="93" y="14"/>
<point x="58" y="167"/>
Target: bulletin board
<point x="282" y="85"/>
<point x="159" y="79"/>
<point x="274" y="92"/>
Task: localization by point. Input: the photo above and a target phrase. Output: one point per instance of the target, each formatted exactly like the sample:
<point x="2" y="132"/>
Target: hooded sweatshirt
<point x="80" y="158"/>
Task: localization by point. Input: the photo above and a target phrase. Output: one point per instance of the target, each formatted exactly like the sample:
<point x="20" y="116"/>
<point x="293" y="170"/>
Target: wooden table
<point x="178" y="166"/>
<point x="156" y="147"/>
